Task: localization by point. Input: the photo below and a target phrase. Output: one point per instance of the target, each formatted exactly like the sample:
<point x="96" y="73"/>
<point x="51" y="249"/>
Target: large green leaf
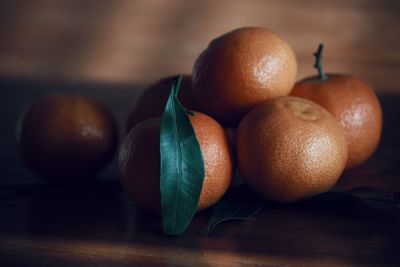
<point x="182" y="166"/>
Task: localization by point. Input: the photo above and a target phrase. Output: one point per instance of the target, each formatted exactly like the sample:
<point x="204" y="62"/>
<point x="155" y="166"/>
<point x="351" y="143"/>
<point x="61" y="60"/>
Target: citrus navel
<point x="290" y="148"/>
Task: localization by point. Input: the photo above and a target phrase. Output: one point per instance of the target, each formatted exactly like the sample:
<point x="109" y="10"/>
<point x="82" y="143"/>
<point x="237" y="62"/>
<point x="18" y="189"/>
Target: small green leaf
<point x="182" y="166"/>
<point x="239" y="203"/>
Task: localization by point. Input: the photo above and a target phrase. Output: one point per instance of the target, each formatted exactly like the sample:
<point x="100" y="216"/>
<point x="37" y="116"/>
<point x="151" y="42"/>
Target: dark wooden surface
<point x="97" y="225"/>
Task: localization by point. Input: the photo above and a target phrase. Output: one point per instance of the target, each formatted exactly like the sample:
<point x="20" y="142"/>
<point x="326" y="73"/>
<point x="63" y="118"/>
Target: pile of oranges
<point x="287" y="140"/>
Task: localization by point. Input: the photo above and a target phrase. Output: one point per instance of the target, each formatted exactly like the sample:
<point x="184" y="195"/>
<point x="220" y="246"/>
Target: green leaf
<point x="239" y="203"/>
<point x="182" y="166"/>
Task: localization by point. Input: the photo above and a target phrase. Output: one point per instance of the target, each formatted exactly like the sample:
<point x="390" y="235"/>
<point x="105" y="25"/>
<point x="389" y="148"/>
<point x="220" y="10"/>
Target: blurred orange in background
<point x="124" y="41"/>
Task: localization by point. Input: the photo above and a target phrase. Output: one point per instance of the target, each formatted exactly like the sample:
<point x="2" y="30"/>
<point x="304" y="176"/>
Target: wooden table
<point x="96" y="224"/>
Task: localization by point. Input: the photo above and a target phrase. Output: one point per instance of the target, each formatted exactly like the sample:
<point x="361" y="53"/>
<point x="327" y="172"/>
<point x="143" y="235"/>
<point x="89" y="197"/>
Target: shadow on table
<point x="63" y="210"/>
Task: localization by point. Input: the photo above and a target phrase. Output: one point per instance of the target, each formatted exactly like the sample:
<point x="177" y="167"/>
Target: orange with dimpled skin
<point x="66" y="137"/>
<point x="353" y="103"/>
<point x="139" y="162"/>
<point x="290" y="148"/>
<point x="241" y="69"/>
<point x="151" y="102"/>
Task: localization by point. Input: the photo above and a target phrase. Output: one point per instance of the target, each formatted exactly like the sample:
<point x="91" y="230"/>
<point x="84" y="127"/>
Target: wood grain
<point x="96" y="224"/>
<point x="141" y="41"/>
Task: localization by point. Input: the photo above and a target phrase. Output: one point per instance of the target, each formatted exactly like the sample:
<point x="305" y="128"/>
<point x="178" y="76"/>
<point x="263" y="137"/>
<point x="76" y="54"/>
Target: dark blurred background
<point x="125" y="41"/>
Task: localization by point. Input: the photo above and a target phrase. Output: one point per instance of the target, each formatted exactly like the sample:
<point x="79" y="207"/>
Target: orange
<point x="66" y="137"/>
<point x="151" y="102"/>
<point x="139" y="162"/>
<point x="354" y="104"/>
<point x="290" y="148"/>
<point x="241" y="69"/>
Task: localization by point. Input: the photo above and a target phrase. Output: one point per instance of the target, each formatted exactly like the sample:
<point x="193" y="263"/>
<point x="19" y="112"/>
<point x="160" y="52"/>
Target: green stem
<point x="318" y="65"/>
<point x="176" y="87"/>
